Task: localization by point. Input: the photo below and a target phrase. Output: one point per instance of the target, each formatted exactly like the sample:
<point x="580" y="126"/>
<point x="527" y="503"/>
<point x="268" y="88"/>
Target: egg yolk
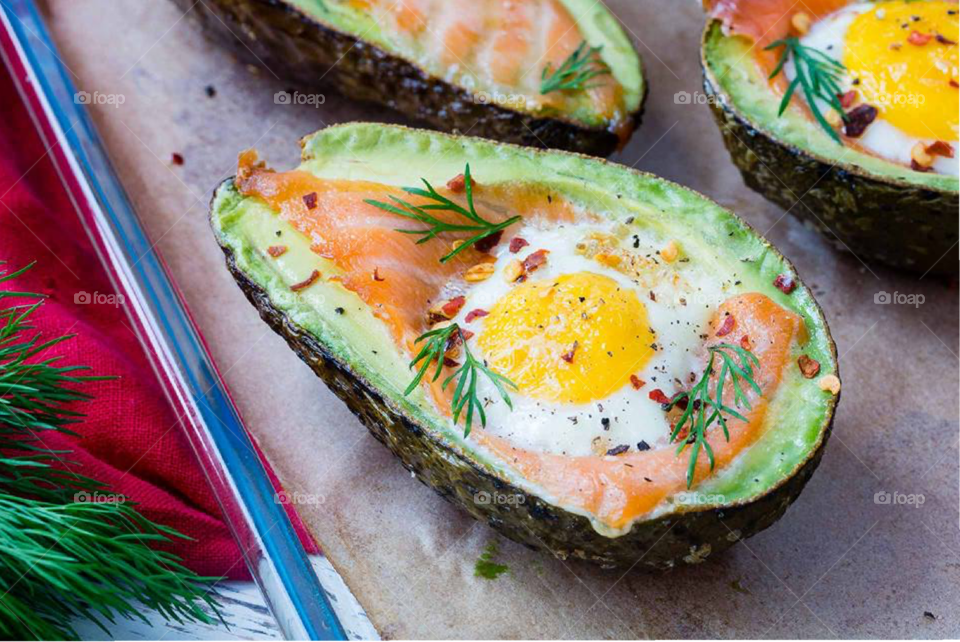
<point x="573" y="339"/>
<point x="908" y="77"/>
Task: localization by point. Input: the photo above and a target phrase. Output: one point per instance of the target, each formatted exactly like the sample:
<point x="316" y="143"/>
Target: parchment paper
<point x="838" y="564"/>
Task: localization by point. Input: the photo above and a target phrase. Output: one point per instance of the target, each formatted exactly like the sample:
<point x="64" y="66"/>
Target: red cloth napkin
<point x="130" y="439"/>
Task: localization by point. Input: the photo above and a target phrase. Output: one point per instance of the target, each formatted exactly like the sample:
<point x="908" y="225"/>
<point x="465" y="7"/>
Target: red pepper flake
<point x="856" y="120"/>
<point x="619" y="450"/>
<point x="457" y="184"/>
<point x="954" y="83"/>
<point x="475" y="314"/>
<point x="637" y="382"/>
<point x="809" y="368"/>
<point x="745" y="342"/>
<point x="176" y="159"/>
<point x="727" y="326"/>
<point x="940" y="148"/>
<point x="568" y="355"/>
<point x="943" y="40"/>
<point x="276" y="250"/>
<point x="376" y="275"/>
<point x="785" y="283"/>
<point x="466" y="334"/>
<point x="307" y="282"/>
<point x="535" y="260"/>
<point x="517" y="243"/>
<point x="451" y="307"/>
<point x="847" y="99"/>
<point x="919" y="39"/>
<point x="487" y="243"/>
<point x="310" y="200"/>
<point x="653" y="295"/>
<point x="917" y="167"/>
<point x="450" y="363"/>
<point x="658" y="395"/>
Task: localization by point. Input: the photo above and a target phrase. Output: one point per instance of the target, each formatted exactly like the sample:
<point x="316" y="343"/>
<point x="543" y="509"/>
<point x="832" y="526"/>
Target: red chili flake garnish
<point x="535" y="260"/>
<point x="568" y="356"/>
<point x="657" y="395"/>
<point x="637" y="382"/>
<point x="847" y="99"/>
<point x="457" y="184"/>
<point x="857" y="120"/>
<point x="451" y="307"/>
<point x="943" y="40"/>
<point x="276" y="250"/>
<point x="917" y="167"/>
<point x="653" y="295"/>
<point x="919" y="39"/>
<point x="809" y="368"/>
<point x="310" y="200"/>
<point x="475" y="314"/>
<point x="466" y="333"/>
<point x="307" y="282"/>
<point x="450" y="363"/>
<point x="517" y="243"/>
<point x="619" y="450"/>
<point x="954" y="83"/>
<point x="940" y="148"/>
<point x="785" y="283"/>
<point x="745" y="342"/>
<point x="376" y="275"/>
<point x="176" y="159"/>
<point x="727" y="326"/>
<point x="487" y="243"/>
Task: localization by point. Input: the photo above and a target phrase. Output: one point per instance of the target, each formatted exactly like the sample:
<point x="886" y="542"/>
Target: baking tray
<point x="163" y="324"/>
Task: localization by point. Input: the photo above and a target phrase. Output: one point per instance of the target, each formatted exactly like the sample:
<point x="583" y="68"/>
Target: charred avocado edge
<point x="281" y="37"/>
<point x="418" y="426"/>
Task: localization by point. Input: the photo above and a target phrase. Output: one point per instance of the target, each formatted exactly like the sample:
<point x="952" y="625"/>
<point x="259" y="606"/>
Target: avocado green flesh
<point x="731" y="58"/>
<point x="596" y="23"/>
<point x="797" y="421"/>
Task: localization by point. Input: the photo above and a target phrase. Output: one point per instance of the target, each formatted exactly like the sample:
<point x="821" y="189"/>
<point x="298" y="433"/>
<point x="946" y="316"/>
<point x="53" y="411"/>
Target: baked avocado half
<point x="872" y="165"/>
<point x="543" y="337"/>
<point x="547" y="73"/>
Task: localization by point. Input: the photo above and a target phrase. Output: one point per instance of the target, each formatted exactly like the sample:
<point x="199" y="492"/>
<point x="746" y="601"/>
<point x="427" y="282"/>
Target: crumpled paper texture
<point x="838" y="564"/>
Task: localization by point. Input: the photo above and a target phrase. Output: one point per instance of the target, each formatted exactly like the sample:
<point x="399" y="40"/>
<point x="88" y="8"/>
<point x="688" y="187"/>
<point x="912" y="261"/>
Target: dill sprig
<point x="702" y="410"/>
<point x="438" y="341"/>
<point x="817" y="74"/>
<point x="574" y="72"/>
<point x="481" y="227"/>
<point x="63" y="556"/>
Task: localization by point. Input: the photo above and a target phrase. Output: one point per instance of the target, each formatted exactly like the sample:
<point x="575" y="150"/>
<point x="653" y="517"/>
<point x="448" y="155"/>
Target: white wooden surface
<point x="245" y="615"/>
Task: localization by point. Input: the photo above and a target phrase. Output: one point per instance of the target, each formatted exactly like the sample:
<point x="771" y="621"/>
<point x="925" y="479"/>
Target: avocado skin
<point x="289" y="43"/>
<point x="907" y="227"/>
<point x="664" y="543"/>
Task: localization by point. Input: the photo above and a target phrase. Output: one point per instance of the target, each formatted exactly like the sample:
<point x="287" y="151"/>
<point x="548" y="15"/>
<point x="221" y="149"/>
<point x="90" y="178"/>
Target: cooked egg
<point x="588" y="335"/>
<point x="902" y="58"/>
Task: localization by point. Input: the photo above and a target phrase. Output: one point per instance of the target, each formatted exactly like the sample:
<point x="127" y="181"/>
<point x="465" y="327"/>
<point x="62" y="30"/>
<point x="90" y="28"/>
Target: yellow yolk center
<point x="573" y="339"/>
<point x="908" y="82"/>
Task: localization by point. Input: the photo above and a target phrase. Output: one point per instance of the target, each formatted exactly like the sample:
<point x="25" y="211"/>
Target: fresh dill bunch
<point x="817" y="74"/>
<point x="702" y="410"/>
<point x="62" y="556"/>
<point x="574" y="73"/>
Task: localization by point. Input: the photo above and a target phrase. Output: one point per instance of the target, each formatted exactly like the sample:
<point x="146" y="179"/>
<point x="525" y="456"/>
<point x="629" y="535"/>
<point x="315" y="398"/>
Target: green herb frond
<point x="465" y="394"/>
<point x="575" y="72"/>
<point x="480" y="227"/>
<point x="702" y="409"/>
<point x="817" y="74"/>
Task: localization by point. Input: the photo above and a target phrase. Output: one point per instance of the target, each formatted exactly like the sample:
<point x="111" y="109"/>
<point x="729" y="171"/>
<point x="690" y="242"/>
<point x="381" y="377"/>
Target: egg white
<point x="679" y="316"/>
<point x="883" y="139"/>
